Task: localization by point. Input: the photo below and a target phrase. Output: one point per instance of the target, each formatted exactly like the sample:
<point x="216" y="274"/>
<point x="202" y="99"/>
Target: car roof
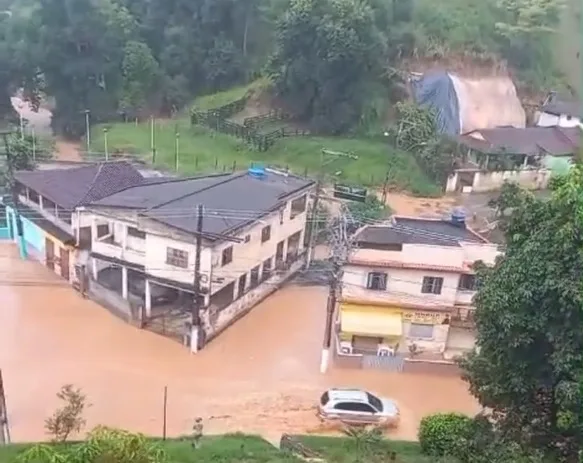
<point x="352" y="395"/>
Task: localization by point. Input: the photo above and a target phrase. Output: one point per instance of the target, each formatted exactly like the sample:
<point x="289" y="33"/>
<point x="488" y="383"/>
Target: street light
<point x="87" y="130"/>
<point x="105" y="143"/>
<point x="176" y="147"/>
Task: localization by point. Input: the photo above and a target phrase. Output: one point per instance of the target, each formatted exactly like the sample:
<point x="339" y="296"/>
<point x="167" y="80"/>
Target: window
<point x="281" y="211"/>
<point x="266" y="269"/>
<point x="421" y="331"/>
<point x="266" y="234"/>
<point x="247" y="238"/>
<point x="177" y="257"/>
<point x="254" y="280"/>
<point x="298" y="206"/>
<point x="377" y="281"/>
<point x="467" y="283"/>
<point x="324" y="399"/>
<point x="354" y="407"/>
<point x="432" y="285"/>
<point x="133" y="231"/>
<point x="102" y="230"/>
<point x="33" y="196"/>
<point x="375" y="402"/>
<point x="242" y="284"/>
<point x="227" y="256"/>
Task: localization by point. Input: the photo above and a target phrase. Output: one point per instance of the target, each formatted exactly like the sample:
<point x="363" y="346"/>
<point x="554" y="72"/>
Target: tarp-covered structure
<point x="463" y="104"/>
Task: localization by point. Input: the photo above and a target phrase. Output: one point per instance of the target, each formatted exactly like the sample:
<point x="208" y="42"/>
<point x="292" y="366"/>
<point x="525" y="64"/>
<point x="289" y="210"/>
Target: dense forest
<point x="331" y="62"/>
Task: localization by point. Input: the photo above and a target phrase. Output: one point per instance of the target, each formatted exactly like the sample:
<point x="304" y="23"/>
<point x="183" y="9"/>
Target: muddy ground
<point x="260" y="376"/>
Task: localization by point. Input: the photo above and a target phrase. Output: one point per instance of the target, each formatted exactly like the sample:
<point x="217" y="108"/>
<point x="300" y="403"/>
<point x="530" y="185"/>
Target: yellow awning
<point x="370" y="320"/>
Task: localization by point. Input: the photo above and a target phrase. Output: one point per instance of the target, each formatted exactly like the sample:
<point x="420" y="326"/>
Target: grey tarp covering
<point x="436" y="91"/>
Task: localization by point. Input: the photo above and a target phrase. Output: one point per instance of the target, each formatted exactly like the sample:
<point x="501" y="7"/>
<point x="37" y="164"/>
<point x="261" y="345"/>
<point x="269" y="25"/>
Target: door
<point x="50" y="253"/>
<point x="65" y="263"/>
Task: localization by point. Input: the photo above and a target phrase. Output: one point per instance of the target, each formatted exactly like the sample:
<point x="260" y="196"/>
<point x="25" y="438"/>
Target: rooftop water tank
<point x="458" y="217"/>
<point x="257" y="171"/>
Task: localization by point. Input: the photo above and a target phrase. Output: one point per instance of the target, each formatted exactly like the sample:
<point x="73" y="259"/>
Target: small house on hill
<point x="559" y="111"/>
<point x="523" y="155"/>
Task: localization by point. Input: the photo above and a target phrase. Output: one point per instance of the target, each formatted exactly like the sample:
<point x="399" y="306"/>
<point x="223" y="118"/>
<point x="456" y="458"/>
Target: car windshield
<point x="375" y="402"/>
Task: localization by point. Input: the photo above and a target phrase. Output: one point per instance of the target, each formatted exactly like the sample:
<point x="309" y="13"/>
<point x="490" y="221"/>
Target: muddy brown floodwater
<point x="260" y="376"/>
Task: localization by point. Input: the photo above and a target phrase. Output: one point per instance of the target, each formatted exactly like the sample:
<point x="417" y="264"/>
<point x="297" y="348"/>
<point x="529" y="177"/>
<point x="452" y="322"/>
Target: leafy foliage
<point x="103" y="445"/>
<point x="326" y="56"/>
<point x="528" y="367"/>
<point x="369" y="211"/>
<point x="415" y="132"/>
<point x="442" y="434"/>
<point x="68" y="419"/>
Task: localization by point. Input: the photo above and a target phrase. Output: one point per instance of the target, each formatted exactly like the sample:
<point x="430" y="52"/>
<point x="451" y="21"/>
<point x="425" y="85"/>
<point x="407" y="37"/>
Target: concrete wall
<point x="246" y="254"/>
<point x="216" y="321"/>
<point x="400" y="284"/>
<point x="552" y="120"/>
<point x="485" y="181"/>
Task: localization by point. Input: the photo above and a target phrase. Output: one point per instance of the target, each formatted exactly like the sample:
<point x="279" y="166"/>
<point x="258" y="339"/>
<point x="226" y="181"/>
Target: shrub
<point x="444" y="433"/>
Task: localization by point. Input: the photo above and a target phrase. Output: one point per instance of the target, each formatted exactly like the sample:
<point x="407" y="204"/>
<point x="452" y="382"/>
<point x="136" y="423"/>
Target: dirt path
<point x="67" y="151"/>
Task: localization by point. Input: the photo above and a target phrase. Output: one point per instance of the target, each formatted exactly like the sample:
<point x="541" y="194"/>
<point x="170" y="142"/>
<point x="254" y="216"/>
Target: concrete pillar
<point x="93" y="229"/>
<point x="148" y="299"/>
<point x="285" y="246"/>
<point x="124" y="237"/>
<point x="40" y="201"/>
<point x="94" y="266"/>
<point x="124" y="282"/>
<point x="236" y="289"/>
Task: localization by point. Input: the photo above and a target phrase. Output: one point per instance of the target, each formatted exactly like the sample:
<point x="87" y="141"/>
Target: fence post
<point x="306" y="172"/>
<point x="196" y="161"/>
<point x="216" y="163"/>
<point x="234" y="165"/>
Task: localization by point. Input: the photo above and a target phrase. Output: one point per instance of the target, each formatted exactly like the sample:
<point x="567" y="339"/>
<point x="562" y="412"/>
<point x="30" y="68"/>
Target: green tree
<point x="528" y="365"/>
<point x="327" y="55"/>
<point x="141" y="77"/>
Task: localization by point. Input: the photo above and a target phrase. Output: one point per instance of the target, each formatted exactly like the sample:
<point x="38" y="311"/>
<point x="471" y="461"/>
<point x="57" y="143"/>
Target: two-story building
<point x="47" y="202"/>
<point x="406" y="285"/>
<point x="143" y="243"/>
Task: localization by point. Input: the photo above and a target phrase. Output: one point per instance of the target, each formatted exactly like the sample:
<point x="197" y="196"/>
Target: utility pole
<point x="4" y="428"/>
<point x="341" y="246"/>
<point x="386" y="185"/>
<point x="195" y="335"/>
<point x="87" y="131"/>
<point x="314" y="215"/>
<point x="105" y="144"/>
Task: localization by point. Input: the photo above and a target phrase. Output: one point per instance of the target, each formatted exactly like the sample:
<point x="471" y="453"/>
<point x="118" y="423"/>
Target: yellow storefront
<point x="368" y="329"/>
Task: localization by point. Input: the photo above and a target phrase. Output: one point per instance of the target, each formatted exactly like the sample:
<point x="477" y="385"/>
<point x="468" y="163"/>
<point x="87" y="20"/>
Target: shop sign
<point x="427" y="318"/>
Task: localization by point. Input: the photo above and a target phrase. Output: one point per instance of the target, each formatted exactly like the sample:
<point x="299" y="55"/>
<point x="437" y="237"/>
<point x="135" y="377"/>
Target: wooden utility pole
<point x="195" y="336"/>
<point x="386" y="185"/>
<point x="4" y="428"/>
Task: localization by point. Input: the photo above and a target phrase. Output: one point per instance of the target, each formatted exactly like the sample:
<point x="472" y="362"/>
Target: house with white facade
<point x="559" y="111"/>
<point x="407" y="290"/>
<point x="143" y="245"/>
<point x="527" y="156"/>
<point x="46" y="209"/>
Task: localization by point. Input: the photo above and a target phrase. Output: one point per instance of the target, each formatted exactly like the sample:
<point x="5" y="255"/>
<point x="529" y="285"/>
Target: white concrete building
<point x="407" y="285"/>
<point x="556" y="111"/>
<point x="143" y="244"/>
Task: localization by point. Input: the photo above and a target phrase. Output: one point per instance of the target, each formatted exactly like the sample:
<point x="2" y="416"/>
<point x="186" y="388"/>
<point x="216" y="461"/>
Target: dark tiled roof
<point x="559" y="107"/>
<point x="230" y="200"/>
<point x="406" y="230"/>
<point x="73" y="187"/>
<point x="529" y="140"/>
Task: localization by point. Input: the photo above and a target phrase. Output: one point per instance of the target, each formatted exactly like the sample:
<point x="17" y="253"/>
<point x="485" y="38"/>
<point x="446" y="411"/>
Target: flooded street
<point x="260" y="376"/>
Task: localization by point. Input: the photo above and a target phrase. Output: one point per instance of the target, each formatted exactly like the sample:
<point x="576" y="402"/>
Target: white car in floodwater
<point x="357" y="407"/>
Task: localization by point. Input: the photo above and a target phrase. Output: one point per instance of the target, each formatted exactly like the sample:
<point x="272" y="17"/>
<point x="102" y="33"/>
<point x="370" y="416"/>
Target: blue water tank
<point x="257" y="171"/>
<point x="458" y="217"/>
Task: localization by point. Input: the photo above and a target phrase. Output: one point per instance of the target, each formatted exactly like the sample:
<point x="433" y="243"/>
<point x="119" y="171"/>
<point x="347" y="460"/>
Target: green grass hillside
<point x="203" y="150"/>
